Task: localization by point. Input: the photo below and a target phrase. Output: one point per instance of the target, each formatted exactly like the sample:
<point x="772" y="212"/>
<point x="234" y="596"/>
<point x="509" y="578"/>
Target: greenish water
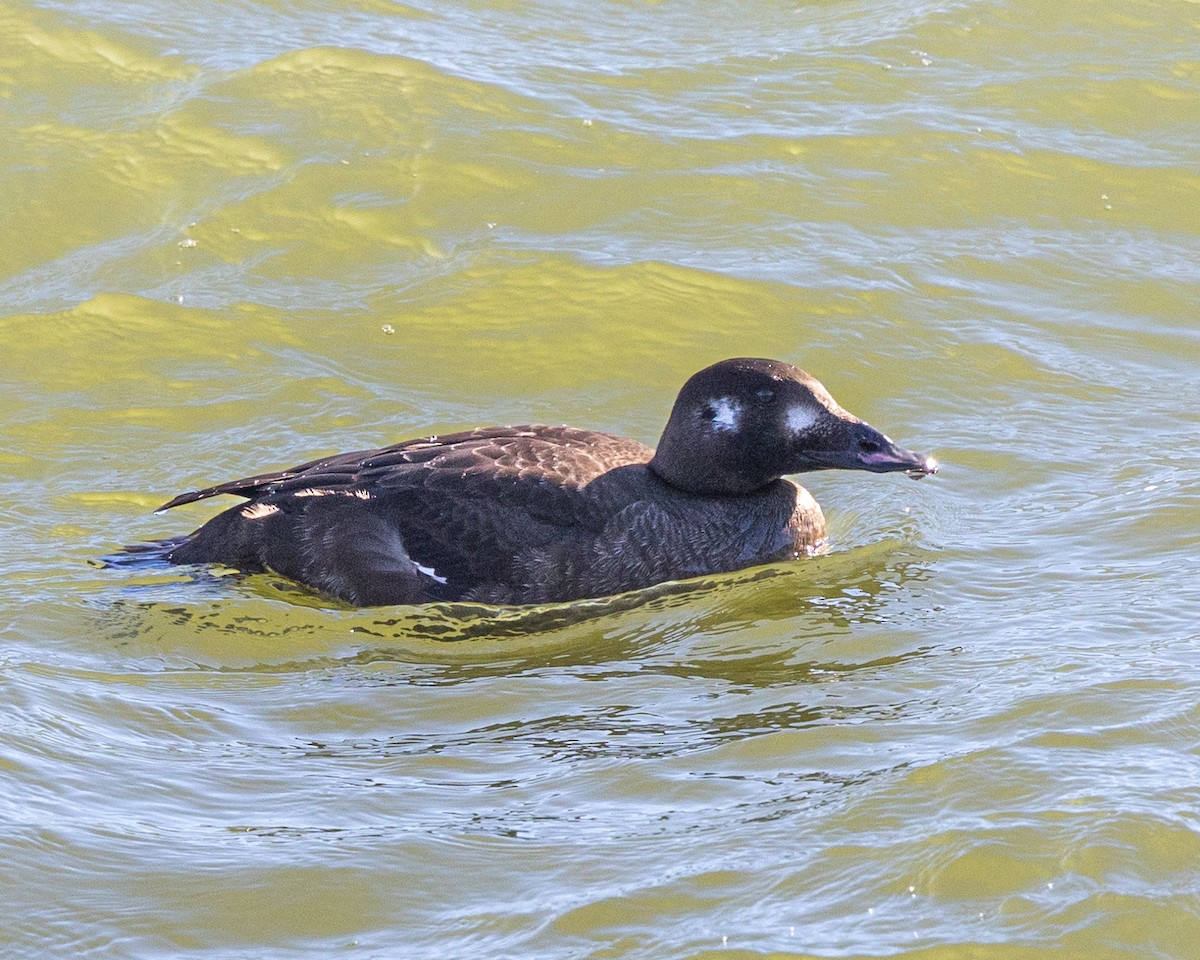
<point x="240" y="235"/>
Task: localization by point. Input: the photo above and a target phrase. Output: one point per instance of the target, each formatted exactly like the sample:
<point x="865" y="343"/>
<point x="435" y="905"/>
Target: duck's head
<point x="741" y="424"/>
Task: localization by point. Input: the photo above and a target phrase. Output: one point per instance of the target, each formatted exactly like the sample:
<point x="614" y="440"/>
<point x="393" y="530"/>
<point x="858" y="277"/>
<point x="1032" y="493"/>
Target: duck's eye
<point x="868" y="446"/>
<point x="765" y="395"/>
<point x="708" y="412"/>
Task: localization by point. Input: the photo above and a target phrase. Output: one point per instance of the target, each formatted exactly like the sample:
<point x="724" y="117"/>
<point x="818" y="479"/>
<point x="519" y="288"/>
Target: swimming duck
<point x="537" y="514"/>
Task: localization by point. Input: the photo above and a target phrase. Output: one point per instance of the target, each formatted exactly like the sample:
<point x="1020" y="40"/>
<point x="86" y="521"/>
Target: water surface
<point x="241" y="235"/>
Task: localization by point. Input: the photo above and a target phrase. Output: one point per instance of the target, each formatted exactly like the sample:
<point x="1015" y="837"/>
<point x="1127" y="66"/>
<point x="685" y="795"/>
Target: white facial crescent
<point x="800" y="418"/>
<point x="727" y="414"/>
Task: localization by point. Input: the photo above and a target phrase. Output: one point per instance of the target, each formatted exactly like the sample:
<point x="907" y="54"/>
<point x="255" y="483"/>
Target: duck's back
<point x="501" y="515"/>
<point x="434" y="518"/>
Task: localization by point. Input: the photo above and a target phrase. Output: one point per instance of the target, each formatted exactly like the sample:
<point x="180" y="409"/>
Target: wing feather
<point x="467" y="505"/>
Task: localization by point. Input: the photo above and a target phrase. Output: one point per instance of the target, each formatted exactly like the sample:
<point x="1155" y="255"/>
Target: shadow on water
<point x="750" y="623"/>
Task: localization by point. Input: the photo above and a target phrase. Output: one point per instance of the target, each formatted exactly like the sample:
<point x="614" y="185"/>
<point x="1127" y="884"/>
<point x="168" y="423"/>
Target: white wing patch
<point x="727" y="414"/>
<point x="800" y="418"/>
<point x="429" y="572"/>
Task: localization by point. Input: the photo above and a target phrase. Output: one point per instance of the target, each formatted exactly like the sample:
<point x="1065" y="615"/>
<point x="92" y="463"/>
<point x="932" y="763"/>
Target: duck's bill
<point x="854" y="445"/>
<point x="877" y="453"/>
<point x="929" y="467"/>
<point x="891" y="458"/>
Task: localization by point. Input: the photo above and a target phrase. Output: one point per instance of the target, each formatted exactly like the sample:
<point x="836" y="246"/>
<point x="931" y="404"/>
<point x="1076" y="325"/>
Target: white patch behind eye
<point x="800" y="418"/>
<point x="727" y="414"/>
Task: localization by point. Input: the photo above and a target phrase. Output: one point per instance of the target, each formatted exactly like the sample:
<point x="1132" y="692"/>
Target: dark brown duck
<point x="535" y="514"/>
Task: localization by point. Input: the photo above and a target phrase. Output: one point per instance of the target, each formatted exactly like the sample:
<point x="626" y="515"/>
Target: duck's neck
<point x="704" y="478"/>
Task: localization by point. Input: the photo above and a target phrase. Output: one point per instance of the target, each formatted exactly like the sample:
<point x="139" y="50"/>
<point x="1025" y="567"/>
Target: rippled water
<point x="241" y="234"/>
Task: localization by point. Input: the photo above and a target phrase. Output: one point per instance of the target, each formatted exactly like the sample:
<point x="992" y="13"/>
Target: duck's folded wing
<point x="466" y="509"/>
<point x="550" y="456"/>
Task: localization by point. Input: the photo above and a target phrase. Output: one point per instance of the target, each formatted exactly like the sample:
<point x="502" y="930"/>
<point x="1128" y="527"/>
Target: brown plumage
<point x="534" y="514"/>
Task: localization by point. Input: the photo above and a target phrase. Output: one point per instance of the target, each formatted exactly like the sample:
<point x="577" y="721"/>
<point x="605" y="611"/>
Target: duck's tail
<point x="152" y="553"/>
